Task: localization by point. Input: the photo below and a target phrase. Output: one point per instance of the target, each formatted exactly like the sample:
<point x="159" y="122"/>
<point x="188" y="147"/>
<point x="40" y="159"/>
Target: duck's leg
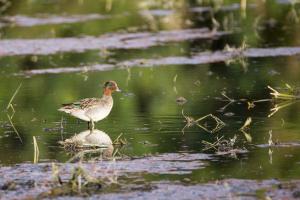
<point x="89" y="125"/>
<point x="92" y="125"/>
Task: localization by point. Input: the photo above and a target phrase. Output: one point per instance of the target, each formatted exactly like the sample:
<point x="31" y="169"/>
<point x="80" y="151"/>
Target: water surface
<point x="146" y="113"/>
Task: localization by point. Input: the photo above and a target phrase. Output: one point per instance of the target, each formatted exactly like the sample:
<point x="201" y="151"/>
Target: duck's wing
<point x="81" y="104"/>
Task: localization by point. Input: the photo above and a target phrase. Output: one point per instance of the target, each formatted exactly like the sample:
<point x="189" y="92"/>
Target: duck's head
<point x="110" y="87"/>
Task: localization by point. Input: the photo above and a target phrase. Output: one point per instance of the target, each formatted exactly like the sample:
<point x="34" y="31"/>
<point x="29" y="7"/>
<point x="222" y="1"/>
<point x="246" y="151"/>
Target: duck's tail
<point x="66" y="108"/>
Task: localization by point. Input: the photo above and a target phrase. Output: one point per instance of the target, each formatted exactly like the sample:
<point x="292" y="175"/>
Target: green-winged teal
<point x="93" y="109"/>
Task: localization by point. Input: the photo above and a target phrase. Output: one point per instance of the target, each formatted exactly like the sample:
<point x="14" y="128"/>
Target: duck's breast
<point x="98" y="113"/>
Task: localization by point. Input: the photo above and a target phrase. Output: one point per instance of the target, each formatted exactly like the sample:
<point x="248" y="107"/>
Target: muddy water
<point x="156" y="54"/>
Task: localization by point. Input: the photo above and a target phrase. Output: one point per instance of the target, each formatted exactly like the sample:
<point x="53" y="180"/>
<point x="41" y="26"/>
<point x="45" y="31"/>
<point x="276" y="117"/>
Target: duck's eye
<point x="107" y="84"/>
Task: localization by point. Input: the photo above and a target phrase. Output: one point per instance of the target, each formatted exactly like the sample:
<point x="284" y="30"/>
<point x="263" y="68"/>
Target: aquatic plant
<point x="80" y="183"/>
<point x="223" y="146"/>
<point x="287" y="99"/>
<point x="190" y="121"/>
<point x="120" y="141"/>
<point x="11" y="106"/>
<point x="283" y="96"/>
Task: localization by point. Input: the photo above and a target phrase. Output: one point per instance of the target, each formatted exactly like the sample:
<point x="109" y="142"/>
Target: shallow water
<point x="153" y="72"/>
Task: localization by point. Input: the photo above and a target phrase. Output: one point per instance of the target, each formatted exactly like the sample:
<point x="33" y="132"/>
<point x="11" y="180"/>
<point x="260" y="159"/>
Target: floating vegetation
<point x="251" y="104"/>
<point x="224" y="146"/>
<point x="229" y="146"/>
<point x="287" y="99"/>
<point x="190" y="121"/>
<point x="219" y="144"/>
<point x="283" y="96"/>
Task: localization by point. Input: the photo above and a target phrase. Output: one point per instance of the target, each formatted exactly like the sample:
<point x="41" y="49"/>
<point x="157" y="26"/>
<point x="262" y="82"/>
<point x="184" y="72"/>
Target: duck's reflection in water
<point x="90" y="145"/>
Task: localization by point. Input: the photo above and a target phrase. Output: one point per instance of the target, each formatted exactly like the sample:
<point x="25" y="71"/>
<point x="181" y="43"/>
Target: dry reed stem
<point x="36" y="151"/>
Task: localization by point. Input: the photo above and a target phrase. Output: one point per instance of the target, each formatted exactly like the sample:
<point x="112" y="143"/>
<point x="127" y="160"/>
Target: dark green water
<point x="146" y="112"/>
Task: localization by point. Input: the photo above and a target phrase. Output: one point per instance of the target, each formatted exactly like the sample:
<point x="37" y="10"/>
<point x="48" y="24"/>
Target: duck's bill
<point x="118" y="90"/>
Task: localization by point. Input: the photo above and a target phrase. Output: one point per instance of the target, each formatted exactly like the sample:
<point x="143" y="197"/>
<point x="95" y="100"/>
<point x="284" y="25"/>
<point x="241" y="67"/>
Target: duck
<point x="93" y="109"/>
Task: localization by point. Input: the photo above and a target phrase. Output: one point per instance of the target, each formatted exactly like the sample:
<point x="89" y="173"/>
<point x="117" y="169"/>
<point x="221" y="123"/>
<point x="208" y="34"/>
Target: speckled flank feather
<point x="89" y="109"/>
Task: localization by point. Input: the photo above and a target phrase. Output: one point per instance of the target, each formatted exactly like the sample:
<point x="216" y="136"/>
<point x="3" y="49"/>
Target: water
<point x="146" y="113"/>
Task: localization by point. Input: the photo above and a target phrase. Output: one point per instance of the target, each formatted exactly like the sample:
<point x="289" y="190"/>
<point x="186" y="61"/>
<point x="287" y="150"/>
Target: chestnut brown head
<point x="110" y="87"/>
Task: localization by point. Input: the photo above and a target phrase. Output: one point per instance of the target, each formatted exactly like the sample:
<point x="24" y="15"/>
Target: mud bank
<point x="196" y="59"/>
<point x="110" y="41"/>
<point x="125" y="179"/>
<point x="225" y="189"/>
<point x="47" y="19"/>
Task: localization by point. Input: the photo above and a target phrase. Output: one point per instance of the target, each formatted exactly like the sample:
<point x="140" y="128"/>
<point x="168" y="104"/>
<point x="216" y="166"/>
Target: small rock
<point x="181" y="100"/>
<point x="296" y="194"/>
<point x="229" y="114"/>
<point x="9" y="186"/>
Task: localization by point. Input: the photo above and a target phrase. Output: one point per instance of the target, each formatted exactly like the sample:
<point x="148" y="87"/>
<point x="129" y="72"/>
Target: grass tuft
<point x="190" y="121"/>
<point x="10" y="105"/>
